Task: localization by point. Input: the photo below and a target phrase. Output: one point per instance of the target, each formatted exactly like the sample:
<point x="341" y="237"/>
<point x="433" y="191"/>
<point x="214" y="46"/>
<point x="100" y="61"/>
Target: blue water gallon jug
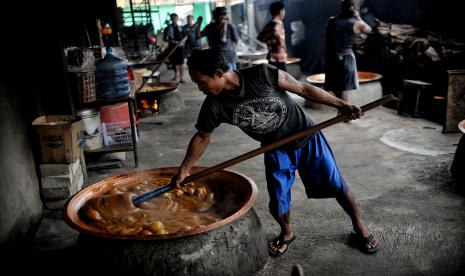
<point x="111" y="77"/>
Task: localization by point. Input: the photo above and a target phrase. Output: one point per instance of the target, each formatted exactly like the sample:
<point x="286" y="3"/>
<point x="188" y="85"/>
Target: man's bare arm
<point x="360" y="26"/>
<point x="197" y="146"/>
<point x="315" y="94"/>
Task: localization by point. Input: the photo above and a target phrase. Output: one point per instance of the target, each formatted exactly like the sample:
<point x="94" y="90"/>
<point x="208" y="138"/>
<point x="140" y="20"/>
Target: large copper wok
<point x="236" y="193"/>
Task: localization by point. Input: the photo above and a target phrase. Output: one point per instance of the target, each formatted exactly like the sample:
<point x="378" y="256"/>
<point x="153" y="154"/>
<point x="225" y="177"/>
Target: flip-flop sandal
<point x="278" y="242"/>
<point x="363" y="243"/>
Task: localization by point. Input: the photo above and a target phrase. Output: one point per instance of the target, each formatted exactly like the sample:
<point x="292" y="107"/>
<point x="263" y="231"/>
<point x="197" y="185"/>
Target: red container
<point x="116" y="113"/>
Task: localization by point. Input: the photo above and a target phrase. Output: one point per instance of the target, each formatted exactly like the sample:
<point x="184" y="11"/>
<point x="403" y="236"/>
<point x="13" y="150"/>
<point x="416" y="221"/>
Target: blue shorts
<point x="317" y="169"/>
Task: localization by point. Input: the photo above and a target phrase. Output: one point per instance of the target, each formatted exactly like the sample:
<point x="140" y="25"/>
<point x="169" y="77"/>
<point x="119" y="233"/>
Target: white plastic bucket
<point x="92" y="129"/>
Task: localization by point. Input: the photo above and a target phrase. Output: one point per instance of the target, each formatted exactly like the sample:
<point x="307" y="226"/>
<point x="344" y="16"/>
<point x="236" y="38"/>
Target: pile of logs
<point x="401" y="52"/>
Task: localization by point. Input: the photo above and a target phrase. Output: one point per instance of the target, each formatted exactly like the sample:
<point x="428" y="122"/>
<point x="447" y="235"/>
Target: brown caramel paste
<point x="156" y="88"/>
<point x="179" y="210"/>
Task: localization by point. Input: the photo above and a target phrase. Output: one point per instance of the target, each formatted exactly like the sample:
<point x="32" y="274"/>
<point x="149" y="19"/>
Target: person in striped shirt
<point x="273" y="34"/>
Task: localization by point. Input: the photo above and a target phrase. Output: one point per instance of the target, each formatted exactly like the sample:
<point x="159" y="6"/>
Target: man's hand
<point x="179" y="178"/>
<point x="354" y="111"/>
<point x="197" y="147"/>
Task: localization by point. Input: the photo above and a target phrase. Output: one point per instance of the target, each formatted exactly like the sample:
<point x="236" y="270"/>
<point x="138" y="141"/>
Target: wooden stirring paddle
<point x="156" y="192"/>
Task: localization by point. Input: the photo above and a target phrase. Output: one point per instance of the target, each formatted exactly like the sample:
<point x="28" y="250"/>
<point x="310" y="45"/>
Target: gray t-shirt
<point x="215" y="32"/>
<point x="340" y="35"/>
<point x="262" y="110"/>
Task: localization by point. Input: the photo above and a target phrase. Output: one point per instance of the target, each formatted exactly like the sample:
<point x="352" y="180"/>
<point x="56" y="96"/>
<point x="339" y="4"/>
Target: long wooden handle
<point x="144" y="197"/>
<point x="284" y="141"/>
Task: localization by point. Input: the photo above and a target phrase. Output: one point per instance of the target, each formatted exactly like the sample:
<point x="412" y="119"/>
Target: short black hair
<point x="276" y="8"/>
<point x="220" y="11"/>
<point x="207" y="61"/>
<point x="173" y="15"/>
<point x="347" y="4"/>
<point x="346" y="8"/>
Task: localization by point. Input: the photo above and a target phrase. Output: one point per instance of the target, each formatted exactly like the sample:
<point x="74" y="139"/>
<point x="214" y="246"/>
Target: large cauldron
<point x="233" y="246"/>
<point x="369" y="90"/>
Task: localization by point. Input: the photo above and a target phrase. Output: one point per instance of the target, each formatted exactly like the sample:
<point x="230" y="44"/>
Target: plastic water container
<point x="111" y="77"/>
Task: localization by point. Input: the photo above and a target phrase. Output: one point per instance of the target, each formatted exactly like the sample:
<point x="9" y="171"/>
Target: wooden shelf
<point x="121" y="147"/>
<point x="113" y="148"/>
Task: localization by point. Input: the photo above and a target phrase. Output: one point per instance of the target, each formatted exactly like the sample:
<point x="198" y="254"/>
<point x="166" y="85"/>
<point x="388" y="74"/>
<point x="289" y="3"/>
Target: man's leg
<point x="175" y="70"/>
<point x="323" y="179"/>
<point x="280" y="180"/>
<point x="280" y="244"/>
<point x="347" y="202"/>
<point x="284" y="223"/>
<point x="181" y="72"/>
<point x="280" y="175"/>
<point x="344" y="95"/>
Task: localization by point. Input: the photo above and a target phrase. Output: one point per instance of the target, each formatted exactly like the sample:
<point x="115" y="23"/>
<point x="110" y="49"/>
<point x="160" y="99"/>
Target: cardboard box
<point x="60" y="138"/>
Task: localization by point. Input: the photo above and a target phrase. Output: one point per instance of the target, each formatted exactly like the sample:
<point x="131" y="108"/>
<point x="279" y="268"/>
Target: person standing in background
<point x="274" y="36"/>
<point x="222" y="36"/>
<point x="340" y="63"/>
<point x="173" y="35"/>
<point x="193" y="38"/>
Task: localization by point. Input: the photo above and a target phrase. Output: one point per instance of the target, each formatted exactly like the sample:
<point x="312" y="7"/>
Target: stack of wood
<point x="399" y="51"/>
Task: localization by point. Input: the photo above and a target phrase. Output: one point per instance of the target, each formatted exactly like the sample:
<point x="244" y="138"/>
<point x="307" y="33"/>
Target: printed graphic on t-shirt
<point x="260" y="115"/>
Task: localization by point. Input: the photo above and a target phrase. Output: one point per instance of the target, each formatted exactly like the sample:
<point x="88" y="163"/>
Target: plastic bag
<point x="87" y="63"/>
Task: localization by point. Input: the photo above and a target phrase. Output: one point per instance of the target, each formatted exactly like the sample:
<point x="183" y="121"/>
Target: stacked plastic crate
<point x="116" y="126"/>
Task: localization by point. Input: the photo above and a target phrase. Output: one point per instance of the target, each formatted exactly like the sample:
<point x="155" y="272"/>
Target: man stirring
<point x="255" y="100"/>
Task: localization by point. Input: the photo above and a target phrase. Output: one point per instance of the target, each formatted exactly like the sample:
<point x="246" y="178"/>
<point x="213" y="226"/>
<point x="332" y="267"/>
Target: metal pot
<point x="252" y="55"/>
<point x="370" y="88"/>
<point x="233" y="246"/>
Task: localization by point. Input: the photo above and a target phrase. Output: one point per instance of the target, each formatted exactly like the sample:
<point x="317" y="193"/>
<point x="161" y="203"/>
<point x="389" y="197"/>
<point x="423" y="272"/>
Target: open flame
<point x="145" y="104"/>
<point x="147" y="107"/>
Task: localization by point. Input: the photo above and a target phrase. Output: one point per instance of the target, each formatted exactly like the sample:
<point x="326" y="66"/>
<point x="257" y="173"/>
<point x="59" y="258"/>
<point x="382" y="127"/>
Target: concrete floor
<point x="397" y="168"/>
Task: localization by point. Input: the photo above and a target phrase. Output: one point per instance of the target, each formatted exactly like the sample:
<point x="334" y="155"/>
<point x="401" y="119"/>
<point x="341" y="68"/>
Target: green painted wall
<point x="204" y="10"/>
<point x="164" y="12"/>
<point x="161" y="13"/>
